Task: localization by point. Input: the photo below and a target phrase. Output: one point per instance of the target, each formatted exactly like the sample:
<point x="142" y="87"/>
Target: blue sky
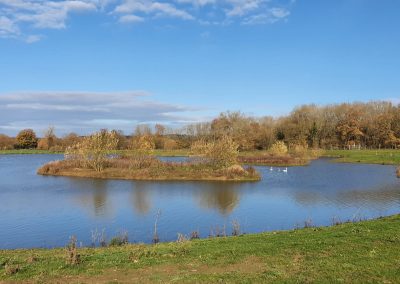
<point x="88" y="64"/>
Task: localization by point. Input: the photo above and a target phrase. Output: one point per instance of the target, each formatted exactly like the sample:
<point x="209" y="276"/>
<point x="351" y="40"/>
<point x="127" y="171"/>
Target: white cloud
<point x="39" y="14"/>
<point x="130" y="19"/>
<point x="243" y="7"/>
<point x="33" y="38"/>
<point x="269" y="17"/>
<point x="18" y="16"/>
<point x="152" y="7"/>
<point x="197" y="3"/>
<point x="95" y="110"/>
<point x="8" y="27"/>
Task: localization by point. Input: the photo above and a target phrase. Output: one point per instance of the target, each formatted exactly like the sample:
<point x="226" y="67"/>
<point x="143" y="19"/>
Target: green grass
<point x="386" y="157"/>
<point x="27" y="152"/>
<point x="362" y="252"/>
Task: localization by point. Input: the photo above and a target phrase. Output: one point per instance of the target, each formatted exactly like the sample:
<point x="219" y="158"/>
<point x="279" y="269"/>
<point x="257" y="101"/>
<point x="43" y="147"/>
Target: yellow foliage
<point x="221" y="153"/>
<point x="279" y="148"/>
<point x="93" y="151"/>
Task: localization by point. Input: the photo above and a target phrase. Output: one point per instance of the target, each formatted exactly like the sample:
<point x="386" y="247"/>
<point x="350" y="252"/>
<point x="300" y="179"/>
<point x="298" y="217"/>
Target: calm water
<point x="37" y="211"/>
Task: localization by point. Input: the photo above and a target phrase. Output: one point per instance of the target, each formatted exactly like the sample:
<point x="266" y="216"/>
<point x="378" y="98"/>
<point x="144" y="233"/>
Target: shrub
<point x="279" y="148"/>
<point x="6" y="143"/>
<point x="170" y="144"/>
<point x="194" y="235"/>
<point x="72" y="256"/>
<point x="236" y="228"/>
<point x="142" y="151"/>
<point x="144" y="144"/>
<point x="299" y="150"/>
<point x="119" y="240"/>
<point x="11" y="269"/>
<point x="43" y="144"/>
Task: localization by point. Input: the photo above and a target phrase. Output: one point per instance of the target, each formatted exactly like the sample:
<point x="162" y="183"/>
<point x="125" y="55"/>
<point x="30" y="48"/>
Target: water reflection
<point x="141" y="197"/>
<point x="222" y="197"/>
<point x="50" y="209"/>
<point x="92" y="193"/>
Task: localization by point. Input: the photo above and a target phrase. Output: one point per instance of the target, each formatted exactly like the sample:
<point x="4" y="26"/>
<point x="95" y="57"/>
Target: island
<point x="95" y="157"/>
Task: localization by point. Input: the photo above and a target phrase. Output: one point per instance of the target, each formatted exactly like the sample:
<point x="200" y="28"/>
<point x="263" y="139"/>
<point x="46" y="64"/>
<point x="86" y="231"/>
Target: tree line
<point x="347" y="125"/>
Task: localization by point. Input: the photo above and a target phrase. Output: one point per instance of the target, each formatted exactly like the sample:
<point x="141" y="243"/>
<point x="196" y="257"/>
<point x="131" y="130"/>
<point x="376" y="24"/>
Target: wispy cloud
<point x="269" y="16"/>
<point x="153" y="8"/>
<point x="16" y="16"/>
<point x="84" y="112"/>
<point x="43" y="14"/>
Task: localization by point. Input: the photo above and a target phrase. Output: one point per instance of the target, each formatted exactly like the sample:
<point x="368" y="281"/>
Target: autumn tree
<point x="48" y="140"/>
<point x="122" y="140"/>
<point x="26" y="139"/>
<point x="94" y="150"/>
<point x="70" y="139"/>
<point x="220" y="153"/>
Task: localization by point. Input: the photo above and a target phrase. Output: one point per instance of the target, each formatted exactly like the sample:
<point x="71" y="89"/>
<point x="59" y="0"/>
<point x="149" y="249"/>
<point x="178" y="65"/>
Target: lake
<point x="44" y="211"/>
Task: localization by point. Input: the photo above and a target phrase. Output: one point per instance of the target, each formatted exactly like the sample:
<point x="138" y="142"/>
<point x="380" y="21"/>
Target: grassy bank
<point x="384" y="157"/>
<point x="263" y="158"/>
<point x="362" y="252"/>
<point x="152" y="169"/>
<point x="27" y="152"/>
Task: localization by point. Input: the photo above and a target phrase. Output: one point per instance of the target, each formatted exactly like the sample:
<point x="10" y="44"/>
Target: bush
<point x="170" y="144"/>
<point x="299" y="150"/>
<point x="142" y="151"/>
<point x="279" y="148"/>
<point x="71" y="251"/>
<point x="119" y="240"/>
<point x="43" y="144"/>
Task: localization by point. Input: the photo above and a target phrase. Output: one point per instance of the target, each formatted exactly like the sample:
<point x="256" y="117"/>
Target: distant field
<point x="362" y="252"/>
<point x="386" y="157"/>
<point x="27" y="152"/>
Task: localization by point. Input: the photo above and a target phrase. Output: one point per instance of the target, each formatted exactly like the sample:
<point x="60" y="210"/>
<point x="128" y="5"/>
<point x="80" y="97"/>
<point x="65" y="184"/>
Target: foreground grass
<point x="384" y="157"/>
<point x="362" y="252"/>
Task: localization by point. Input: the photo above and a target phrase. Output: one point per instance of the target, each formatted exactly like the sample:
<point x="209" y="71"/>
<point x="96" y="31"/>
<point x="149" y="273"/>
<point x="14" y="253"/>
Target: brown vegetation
<point x="342" y="126"/>
<point x="121" y="168"/>
<point x="93" y="157"/>
<point x="6" y="143"/>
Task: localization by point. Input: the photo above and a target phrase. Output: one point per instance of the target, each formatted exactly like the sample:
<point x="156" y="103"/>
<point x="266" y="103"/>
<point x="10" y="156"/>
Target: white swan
<point x="285" y="170"/>
<point x="271" y="169"/>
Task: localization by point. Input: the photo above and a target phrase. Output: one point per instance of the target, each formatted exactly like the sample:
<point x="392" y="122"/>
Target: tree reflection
<point x="93" y="193"/>
<point x="141" y="197"/>
<point x="223" y="197"/>
<point x="379" y="196"/>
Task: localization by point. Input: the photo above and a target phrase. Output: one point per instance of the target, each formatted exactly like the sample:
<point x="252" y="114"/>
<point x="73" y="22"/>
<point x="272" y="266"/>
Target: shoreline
<point x="361" y="251"/>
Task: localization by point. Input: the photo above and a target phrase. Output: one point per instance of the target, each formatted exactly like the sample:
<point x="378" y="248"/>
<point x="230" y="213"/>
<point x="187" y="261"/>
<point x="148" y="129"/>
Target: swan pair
<point x="284" y="170"/>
